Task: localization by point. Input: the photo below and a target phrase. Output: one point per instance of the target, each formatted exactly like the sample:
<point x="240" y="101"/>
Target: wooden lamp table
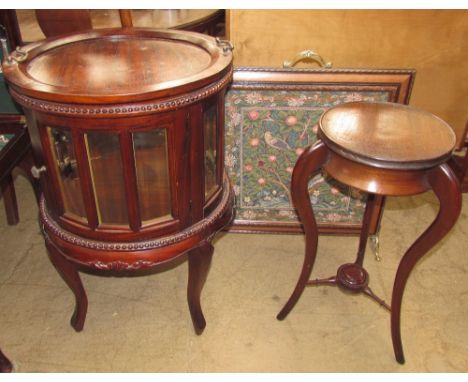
<point x="384" y="149"/>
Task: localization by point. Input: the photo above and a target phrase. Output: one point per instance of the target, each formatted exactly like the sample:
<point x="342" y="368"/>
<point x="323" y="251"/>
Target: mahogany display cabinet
<point x="127" y="133"/>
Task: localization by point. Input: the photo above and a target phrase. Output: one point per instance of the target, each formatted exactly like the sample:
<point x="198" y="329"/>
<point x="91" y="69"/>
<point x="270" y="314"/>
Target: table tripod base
<point x="353" y="278"/>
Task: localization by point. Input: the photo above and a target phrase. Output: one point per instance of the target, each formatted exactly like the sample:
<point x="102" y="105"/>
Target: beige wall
<point x="434" y="42"/>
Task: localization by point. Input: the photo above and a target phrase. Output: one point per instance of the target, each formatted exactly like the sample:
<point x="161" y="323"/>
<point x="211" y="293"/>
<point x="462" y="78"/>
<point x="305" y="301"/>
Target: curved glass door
<point x="210" y="118"/>
<point x="66" y="170"/>
<point x="105" y="159"/>
<point x="152" y="174"/>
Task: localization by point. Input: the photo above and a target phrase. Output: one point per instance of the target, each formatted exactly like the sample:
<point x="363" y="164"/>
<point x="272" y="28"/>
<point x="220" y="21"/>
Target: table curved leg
<point x="310" y="161"/>
<point x="70" y="275"/>
<point x="5" y="364"/>
<point x="447" y="189"/>
<point x="199" y="260"/>
<point x="366" y="221"/>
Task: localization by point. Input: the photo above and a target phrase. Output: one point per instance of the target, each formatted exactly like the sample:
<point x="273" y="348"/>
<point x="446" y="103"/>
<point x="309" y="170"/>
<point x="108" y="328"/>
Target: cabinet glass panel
<point x="210" y="118"/>
<point x="152" y="173"/>
<point x="67" y="171"/>
<point x="107" y="177"/>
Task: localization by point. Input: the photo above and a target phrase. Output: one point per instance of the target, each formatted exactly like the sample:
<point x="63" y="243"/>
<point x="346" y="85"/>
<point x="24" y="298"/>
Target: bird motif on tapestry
<point x="276" y="143"/>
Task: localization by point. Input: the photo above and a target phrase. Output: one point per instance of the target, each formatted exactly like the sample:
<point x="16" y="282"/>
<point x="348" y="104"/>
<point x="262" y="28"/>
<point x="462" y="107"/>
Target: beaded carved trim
<point x="102" y="111"/>
<point x="392" y="89"/>
<point x="121" y="265"/>
<point x="198" y="228"/>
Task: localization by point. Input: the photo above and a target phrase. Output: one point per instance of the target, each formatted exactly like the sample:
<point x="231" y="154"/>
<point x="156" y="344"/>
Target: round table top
<point x="387" y="135"/>
<point x="111" y="65"/>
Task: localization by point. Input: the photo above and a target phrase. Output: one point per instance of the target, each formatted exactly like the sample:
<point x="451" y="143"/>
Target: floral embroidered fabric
<point x="265" y="132"/>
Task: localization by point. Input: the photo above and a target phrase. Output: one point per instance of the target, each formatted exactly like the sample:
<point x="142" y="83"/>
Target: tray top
<point x="387" y="135"/>
<point x="104" y="65"/>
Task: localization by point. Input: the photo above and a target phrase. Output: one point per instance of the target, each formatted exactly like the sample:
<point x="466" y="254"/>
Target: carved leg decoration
<point x="328" y="281"/>
<point x="368" y="291"/>
<point x="310" y="161"/>
<point x="199" y="260"/>
<point x="70" y="275"/>
<point x="447" y="189"/>
<point x="5" y="364"/>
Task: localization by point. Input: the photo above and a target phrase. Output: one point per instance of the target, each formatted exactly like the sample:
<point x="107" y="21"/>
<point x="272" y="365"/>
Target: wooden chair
<point x="15" y="144"/>
<point x="55" y="22"/>
<point x="15" y="152"/>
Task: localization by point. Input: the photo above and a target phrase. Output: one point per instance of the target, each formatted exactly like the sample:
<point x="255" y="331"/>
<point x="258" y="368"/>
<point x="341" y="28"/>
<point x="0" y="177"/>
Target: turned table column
<point x="384" y="149"/>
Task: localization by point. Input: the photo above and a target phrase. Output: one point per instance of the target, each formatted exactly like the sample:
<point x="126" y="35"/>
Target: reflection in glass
<point x="210" y="138"/>
<point x="67" y="171"/>
<point x="107" y="177"/>
<point x="152" y="173"/>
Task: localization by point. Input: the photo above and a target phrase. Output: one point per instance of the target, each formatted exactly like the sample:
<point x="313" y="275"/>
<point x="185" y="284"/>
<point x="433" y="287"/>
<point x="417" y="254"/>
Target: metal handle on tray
<point x="19" y="55"/>
<point x="226" y="45"/>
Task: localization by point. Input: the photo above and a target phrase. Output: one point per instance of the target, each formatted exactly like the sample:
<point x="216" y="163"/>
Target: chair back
<point x="55" y="22"/>
<point x="7" y="105"/>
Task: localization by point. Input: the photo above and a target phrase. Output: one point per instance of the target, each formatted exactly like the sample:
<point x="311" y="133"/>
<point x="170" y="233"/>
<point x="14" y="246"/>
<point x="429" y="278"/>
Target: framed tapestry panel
<point x="271" y="116"/>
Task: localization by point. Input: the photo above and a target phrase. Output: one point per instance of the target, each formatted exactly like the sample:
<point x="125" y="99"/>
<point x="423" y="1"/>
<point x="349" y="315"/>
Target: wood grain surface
<point x="387" y="132"/>
<point x="110" y="65"/>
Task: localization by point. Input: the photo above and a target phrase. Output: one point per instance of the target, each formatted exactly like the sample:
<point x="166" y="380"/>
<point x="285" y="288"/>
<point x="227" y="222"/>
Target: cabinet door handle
<point x="36" y="172"/>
